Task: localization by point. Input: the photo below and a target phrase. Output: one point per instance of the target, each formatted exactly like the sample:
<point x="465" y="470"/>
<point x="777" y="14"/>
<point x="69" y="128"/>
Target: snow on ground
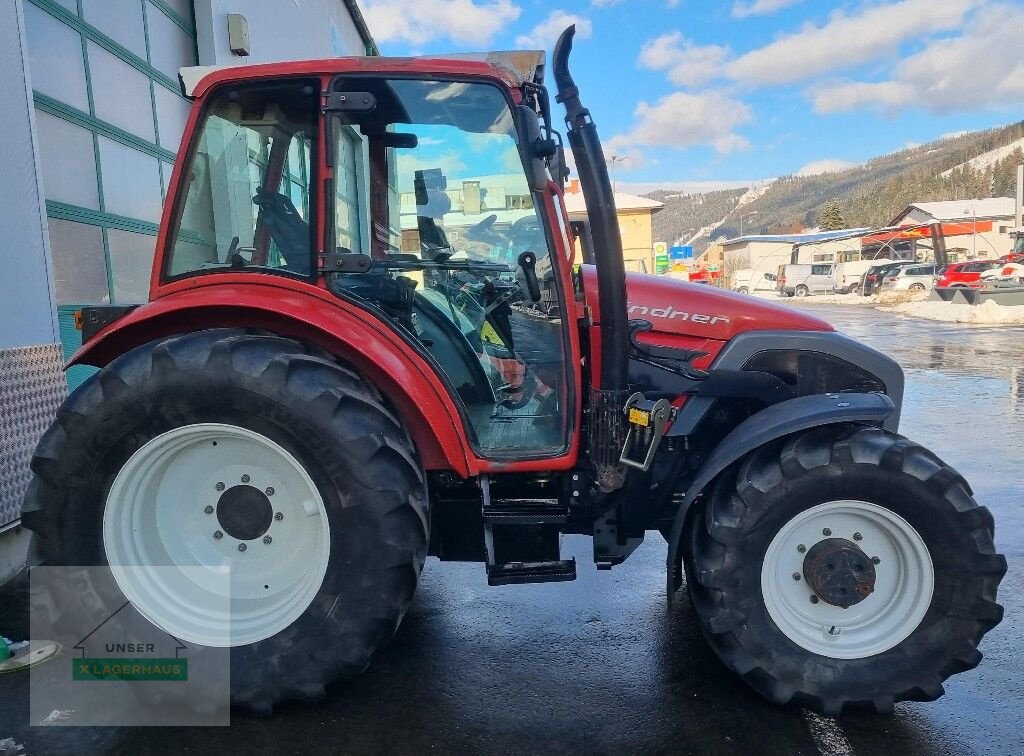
<point x="753" y="193"/>
<point x="988" y="159"/>
<point x="915" y="305"/>
<point x="988" y="313"/>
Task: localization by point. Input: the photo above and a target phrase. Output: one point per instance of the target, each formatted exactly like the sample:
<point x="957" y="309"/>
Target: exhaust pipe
<point x="607" y="424"/>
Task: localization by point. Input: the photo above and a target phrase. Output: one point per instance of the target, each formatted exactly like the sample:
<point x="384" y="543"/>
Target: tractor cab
<point x="420" y="199"/>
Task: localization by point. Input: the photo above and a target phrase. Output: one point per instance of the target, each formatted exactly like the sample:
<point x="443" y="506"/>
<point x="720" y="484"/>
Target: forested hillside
<point x="967" y="166"/>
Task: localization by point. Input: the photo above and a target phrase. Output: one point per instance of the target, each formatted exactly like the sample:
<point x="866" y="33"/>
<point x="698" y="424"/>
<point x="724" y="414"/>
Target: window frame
<point x="166" y="252"/>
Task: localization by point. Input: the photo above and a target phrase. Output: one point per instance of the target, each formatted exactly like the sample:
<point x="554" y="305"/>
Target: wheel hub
<point x="244" y="512"/>
<point x="839" y="572"/>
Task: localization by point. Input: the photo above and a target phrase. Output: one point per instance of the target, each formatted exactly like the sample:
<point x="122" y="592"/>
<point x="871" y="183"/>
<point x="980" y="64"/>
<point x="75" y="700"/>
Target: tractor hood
<point x="688" y="309"/>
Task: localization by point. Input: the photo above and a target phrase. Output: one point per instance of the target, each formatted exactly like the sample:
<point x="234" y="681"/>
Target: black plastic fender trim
<point x="772" y="423"/>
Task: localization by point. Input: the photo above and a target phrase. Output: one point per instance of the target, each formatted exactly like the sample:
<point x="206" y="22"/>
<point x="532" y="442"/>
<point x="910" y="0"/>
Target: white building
<point x="973" y="229"/>
<point x="765" y="253"/>
<point x="93" y="118"/>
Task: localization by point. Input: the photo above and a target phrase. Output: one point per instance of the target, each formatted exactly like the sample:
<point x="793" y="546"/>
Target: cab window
<point x="461" y="262"/>
<point x="245" y="202"/>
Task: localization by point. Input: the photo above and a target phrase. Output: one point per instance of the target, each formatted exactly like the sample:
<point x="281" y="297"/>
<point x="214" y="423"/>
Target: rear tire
<point x="801" y="291"/>
<point x="917" y="287"/>
<point x="364" y="482"/>
<point x="743" y="290"/>
<point x="891" y="646"/>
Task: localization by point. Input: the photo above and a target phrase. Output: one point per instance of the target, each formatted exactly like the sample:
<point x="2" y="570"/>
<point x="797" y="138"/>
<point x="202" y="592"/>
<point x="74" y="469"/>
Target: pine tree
<point x="832" y="216"/>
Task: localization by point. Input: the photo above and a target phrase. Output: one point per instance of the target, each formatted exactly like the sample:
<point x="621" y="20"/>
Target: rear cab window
<point x="244" y="205"/>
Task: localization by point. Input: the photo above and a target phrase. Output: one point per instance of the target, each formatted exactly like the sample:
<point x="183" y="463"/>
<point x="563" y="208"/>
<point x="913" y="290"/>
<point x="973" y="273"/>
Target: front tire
<point x="215" y="427"/>
<point x="919" y="553"/>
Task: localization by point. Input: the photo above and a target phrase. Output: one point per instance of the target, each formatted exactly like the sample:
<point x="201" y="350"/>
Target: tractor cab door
<point x="429" y="182"/>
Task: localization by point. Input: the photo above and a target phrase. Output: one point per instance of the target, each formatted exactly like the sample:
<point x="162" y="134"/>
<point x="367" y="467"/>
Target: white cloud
<point x="742" y="9"/>
<point x="828" y="165"/>
<point x="687" y="119"/>
<point x="544" y="35"/>
<point x="687" y="64"/>
<point x="848" y="40"/>
<point x="981" y="67"/>
<point x="466" y="22"/>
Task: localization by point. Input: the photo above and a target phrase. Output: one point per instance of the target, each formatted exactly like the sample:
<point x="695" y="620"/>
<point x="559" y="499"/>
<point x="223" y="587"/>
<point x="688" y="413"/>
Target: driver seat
<point x="287" y="228"/>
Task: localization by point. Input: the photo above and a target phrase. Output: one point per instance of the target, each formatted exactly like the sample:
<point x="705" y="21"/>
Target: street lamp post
<point x="613" y="161"/>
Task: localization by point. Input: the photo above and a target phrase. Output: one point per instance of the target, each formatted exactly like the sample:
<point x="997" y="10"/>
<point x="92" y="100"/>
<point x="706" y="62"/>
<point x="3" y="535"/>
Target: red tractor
<point x="366" y="343"/>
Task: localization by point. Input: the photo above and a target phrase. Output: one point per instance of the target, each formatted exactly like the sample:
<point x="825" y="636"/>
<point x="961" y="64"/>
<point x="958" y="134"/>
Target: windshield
<point x="461" y="261"/>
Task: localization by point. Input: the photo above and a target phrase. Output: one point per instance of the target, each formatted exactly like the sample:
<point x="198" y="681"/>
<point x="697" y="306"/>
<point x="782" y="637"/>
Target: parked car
<point x="910" y="278"/>
<point x="964" y="274"/>
<point x="872" y="279"/>
<point x="801" y="280"/>
<point x="748" y="280"/>
<point x="1013" y="257"/>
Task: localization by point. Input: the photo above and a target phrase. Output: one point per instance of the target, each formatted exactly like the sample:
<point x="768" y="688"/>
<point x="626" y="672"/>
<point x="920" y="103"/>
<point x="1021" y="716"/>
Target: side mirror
<point x="528" y="127"/>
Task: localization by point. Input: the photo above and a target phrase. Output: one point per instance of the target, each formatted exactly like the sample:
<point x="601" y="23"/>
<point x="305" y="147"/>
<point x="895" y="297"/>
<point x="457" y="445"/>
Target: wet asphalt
<point x="604" y="665"/>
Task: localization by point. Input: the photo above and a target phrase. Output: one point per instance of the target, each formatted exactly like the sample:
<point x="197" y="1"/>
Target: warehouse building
<point x="94" y="116"/>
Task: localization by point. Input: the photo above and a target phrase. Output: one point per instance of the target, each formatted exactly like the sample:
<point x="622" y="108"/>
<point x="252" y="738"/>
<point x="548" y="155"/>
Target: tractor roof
<point x="514" y="67"/>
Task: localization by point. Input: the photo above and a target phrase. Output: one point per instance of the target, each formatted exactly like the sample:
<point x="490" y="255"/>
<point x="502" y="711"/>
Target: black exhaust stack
<point x="607" y="425"/>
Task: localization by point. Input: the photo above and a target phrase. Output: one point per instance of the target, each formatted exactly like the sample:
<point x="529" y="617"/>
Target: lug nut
<point x="876" y="560"/>
<point x="796" y="575"/>
<point x="242" y="547"/>
<point x="246" y="478"/>
<point x="814" y="599"/>
<point x="270" y="491"/>
<point x="801" y="548"/>
<point x="267" y="539"/>
<point x="858" y="537"/>
<point x="208" y="509"/>
<point x="827" y="532"/>
<point x="217" y="535"/>
<point x="219" y="486"/>
<point x="278" y="516"/>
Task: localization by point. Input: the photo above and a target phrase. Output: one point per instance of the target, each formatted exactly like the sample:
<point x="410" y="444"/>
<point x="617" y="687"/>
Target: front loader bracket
<point x="648" y="421"/>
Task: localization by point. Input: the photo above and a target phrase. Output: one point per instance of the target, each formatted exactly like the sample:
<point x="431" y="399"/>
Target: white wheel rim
<point x="904" y="583"/>
<point x="165" y="508"/>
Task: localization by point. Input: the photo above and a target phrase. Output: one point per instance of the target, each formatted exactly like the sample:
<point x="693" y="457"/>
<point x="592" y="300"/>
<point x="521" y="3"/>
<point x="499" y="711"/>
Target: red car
<point x="965" y="274"/>
<point x="1013" y="257"/>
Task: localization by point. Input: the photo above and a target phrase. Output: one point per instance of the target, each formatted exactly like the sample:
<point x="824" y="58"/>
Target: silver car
<point x="910" y="278"/>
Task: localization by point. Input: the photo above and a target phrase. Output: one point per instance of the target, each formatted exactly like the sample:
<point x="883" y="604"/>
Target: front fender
<point x="770" y="424"/>
<point x="317" y="318"/>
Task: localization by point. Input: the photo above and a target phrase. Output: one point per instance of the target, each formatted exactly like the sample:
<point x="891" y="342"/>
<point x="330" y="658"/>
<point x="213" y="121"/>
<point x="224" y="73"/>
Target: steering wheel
<point x="481" y="229"/>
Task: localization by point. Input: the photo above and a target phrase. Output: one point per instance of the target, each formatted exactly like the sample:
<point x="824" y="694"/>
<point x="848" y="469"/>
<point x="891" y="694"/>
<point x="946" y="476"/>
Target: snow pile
<point x="988" y="313"/>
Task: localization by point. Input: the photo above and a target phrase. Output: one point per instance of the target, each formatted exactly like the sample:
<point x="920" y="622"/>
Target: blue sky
<point x="690" y="91"/>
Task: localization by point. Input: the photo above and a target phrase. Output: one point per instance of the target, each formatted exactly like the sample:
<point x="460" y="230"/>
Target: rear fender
<point x="773" y="423"/>
<point x="322" y="321"/>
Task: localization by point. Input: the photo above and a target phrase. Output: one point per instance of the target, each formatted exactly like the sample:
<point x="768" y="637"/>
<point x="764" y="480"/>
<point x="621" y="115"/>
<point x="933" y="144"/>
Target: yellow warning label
<point x="639" y="417"/>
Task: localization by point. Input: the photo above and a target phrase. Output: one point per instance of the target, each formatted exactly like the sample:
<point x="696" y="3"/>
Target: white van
<point x="849" y="274"/>
<point x="747" y="280"/>
<point x="801" y="280"/>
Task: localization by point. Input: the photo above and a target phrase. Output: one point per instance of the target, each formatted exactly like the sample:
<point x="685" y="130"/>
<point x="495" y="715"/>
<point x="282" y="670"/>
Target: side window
<point x="349" y="158"/>
<point x="821" y="270"/>
<point x="245" y="202"/>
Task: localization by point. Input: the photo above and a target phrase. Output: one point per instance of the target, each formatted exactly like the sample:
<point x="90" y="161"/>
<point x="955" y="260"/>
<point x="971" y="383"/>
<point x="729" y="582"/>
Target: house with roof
<point x="765" y="253"/>
<point x="635" y="216"/>
<point x="973" y="229"/>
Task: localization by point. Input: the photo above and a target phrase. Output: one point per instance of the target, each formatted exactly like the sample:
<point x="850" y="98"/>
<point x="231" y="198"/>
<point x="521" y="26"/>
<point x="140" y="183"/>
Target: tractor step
<point x="523" y="540"/>
<point x="514" y="573"/>
<point x="525" y="512"/>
